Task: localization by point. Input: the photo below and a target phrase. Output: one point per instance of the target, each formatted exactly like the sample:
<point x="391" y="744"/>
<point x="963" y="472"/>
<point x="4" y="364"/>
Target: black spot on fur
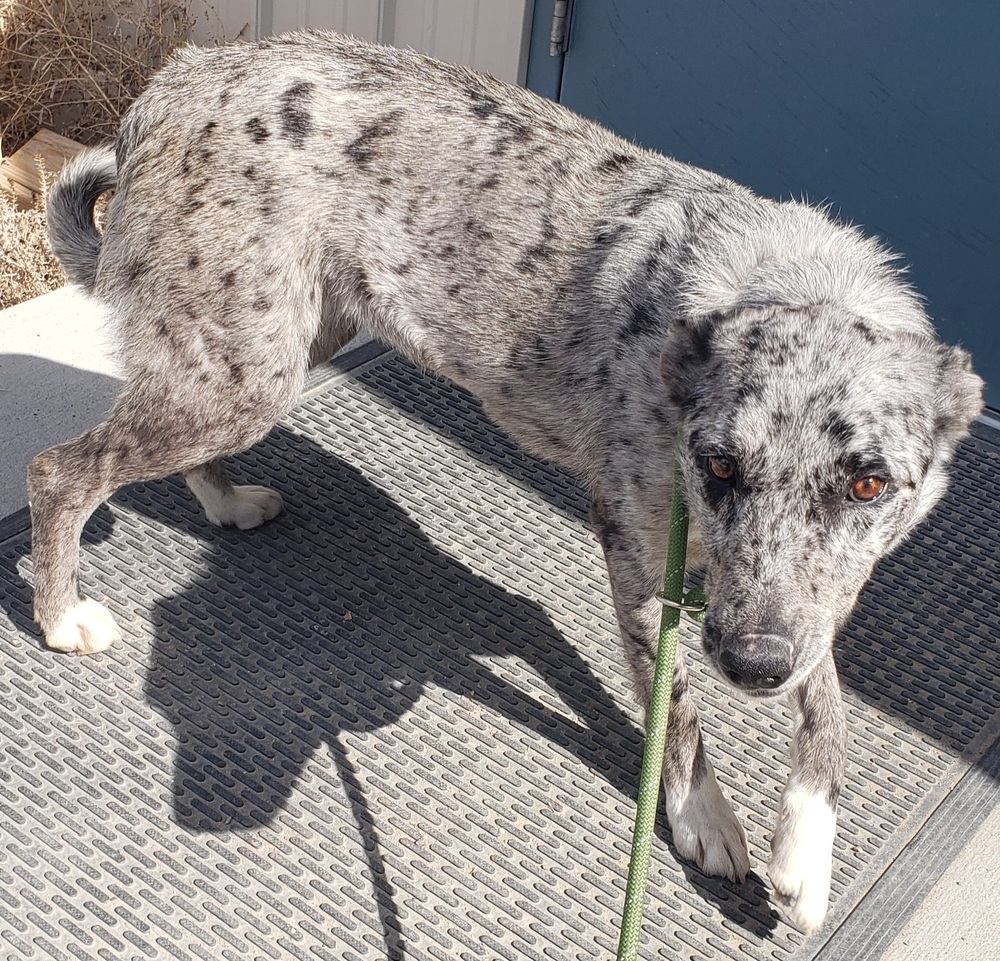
<point x="644" y="198"/>
<point x="258" y="132"/>
<point x="477" y="231"/>
<point x="838" y="428"/>
<point x="609" y="235"/>
<point x="511" y="133"/>
<point x="365" y="147"/>
<point x="748" y="390"/>
<point x="536" y="254"/>
<point x="862" y="328"/>
<point x="296" y="121"/>
<point x="533" y="257"/>
<point x="261" y="304"/>
<point x="701" y="342"/>
<point x="493" y="180"/>
<point x="609" y="532"/>
<point x="193" y="261"/>
<point x="483" y="106"/>
<point x="454" y="290"/>
<point x="229" y="279"/>
<point x="658" y="414"/>
<point x="643" y="320"/>
<point x="615" y="163"/>
<point x="136" y="269"/>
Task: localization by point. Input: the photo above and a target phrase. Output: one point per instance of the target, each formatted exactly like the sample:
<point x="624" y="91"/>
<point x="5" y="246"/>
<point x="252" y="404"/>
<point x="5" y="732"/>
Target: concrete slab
<point x="57" y="379"/>
<point x="957" y="920"/>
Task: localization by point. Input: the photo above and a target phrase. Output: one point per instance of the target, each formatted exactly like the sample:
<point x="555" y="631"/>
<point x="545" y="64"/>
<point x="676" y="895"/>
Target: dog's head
<point x="811" y="444"/>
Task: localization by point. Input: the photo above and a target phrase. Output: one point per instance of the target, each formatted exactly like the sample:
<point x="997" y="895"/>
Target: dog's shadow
<point x="353" y="615"/>
<point x="353" y="618"/>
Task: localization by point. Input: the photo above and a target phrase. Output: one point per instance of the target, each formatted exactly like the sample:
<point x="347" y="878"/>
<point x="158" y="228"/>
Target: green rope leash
<point x="674" y="601"/>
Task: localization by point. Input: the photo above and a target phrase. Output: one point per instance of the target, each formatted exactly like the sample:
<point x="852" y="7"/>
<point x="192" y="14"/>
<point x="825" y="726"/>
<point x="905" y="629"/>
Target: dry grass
<point x="73" y="66"/>
<point x="27" y="265"/>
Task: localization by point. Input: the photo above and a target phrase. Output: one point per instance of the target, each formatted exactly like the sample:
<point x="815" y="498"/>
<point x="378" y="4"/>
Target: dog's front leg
<point x="802" y="845"/>
<point x="704" y="828"/>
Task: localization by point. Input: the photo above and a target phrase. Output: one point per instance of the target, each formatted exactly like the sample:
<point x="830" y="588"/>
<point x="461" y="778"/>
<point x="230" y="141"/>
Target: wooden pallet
<point x="21" y="173"/>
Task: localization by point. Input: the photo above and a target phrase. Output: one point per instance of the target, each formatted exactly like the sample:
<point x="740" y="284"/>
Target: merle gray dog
<point x="615" y="311"/>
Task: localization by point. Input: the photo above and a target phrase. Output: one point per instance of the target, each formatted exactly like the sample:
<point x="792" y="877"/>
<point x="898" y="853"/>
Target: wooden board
<point x="20" y="172"/>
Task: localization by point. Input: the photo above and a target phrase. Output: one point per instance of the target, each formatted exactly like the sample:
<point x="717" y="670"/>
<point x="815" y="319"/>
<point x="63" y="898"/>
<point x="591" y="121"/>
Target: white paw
<point x="802" y="857"/>
<point x="245" y="507"/>
<point x="705" y="829"/>
<point x="86" y="628"/>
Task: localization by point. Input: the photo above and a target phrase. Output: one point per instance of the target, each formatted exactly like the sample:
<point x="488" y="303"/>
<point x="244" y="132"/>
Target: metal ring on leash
<point x="683" y="606"/>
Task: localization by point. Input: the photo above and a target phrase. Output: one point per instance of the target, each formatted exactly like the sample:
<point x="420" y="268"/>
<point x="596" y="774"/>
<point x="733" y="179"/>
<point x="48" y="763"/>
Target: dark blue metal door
<point x="888" y="109"/>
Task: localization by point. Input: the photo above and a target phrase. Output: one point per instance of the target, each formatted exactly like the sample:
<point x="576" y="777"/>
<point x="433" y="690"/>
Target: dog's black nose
<point x="758" y="662"/>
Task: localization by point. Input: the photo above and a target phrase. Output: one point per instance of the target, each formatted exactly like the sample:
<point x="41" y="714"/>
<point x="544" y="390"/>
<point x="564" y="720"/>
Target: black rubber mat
<point x="393" y="723"/>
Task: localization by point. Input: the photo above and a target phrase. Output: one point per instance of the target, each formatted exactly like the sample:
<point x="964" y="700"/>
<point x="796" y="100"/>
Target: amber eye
<point x="723" y="468"/>
<point x="866" y="489"/>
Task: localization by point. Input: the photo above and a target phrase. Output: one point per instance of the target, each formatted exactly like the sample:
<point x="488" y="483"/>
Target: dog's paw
<point x="245" y="507"/>
<point x="802" y="858"/>
<point x="86" y="628"/>
<point x="705" y="829"/>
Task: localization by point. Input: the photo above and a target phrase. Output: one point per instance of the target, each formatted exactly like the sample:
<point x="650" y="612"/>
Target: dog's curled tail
<point x="70" y="212"/>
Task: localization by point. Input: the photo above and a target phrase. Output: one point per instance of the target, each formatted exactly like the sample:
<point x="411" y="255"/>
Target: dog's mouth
<point x="762" y="693"/>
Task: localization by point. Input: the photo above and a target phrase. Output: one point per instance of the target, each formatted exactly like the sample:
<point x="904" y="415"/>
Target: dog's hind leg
<point x="802" y="845"/>
<point x="249" y="505"/>
<point x="704" y="828"/>
<point x="244" y="506"/>
<point x="164" y="422"/>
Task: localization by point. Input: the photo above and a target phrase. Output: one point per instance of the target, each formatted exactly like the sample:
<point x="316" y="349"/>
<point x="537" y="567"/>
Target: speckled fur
<point x="602" y="300"/>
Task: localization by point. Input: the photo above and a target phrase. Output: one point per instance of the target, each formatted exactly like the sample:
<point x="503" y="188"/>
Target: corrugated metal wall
<point x="488" y="35"/>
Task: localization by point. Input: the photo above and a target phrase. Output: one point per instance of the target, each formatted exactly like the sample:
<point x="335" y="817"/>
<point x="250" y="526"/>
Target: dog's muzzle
<point x="755" y="662"/>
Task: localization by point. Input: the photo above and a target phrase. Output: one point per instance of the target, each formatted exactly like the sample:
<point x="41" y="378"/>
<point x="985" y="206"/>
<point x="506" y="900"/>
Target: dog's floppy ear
<point x="958" y="399"/>
<point x="959" y="395"/>
<point x="688" y="350"/>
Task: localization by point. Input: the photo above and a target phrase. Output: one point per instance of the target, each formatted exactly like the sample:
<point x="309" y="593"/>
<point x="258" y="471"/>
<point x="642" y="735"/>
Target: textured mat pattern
<point x="392" y="722"/>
